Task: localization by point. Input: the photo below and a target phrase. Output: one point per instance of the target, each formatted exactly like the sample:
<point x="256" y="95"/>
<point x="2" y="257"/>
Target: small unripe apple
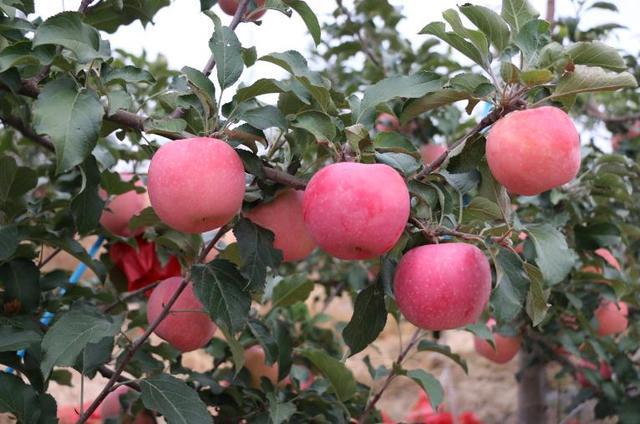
<point x="121" y="208"/>
<point x="355" y="210"/>
<point x="256" y="363"/>
<point x="612" y="317"/>
<point x="442" y="286"/>
<point x="430" y="152"/>
<point x="231" y="6"/>
<point x="506" y="349"/>
<point x="283" y="216"/>
<point x="111" y="406"/>
<point x="386" y="122"/>
<point x="196" y="184"/>
<point x="534" y="150"/>
<point x="187" y="327"/>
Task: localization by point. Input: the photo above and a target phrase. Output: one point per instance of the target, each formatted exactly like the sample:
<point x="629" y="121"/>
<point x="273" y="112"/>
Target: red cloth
<point x="141" y="266"/>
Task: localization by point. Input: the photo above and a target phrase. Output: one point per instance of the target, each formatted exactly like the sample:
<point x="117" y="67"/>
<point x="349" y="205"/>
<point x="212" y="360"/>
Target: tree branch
<point x="551" y="12"/>
<point x="84" y="5"/>
<point x="27" y="131"/>
<point x="108" y="373"/>
<point x="365" y="45"/>
<point x="237" y="18"/>
<point x="284" y="178"/>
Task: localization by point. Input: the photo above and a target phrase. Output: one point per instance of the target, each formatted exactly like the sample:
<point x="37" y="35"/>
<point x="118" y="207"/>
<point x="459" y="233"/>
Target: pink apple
<point x="256" y="363"/>
<point x="121" y="208"/>
<point x="355" y="210"/>
<point x="230" y="6"/>
<point x="284" y="217"/>
<point x="386" y="122"/>
<point x="196" y="184"/>
<point x="534" y="150"/>
<point x="506" y="349"/>
<point x="111" y="406"/>
<point x="187" y="327"/>
<point x="604" y="369"/>
<point x="442" y="286"/>
<point x="431" y="152"/>
<point x="611" y="317"/>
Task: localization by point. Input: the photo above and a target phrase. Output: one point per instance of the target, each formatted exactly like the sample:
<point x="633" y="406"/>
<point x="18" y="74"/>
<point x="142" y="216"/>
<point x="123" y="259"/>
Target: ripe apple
<point x="111" y="406"/>
<point x="507" y="347"/>
<point x="386" y="122"/>
<point x="355" y="210"/>
<point x="230" y="6"/>
<point x="121" y="208"/>
<point x="442" y="286"/>
<point x="69" y="414"/>
<point x="604" y="369"/>
<point x="534" y="150"/>
<point x="611" y="317"/>
<point x="255" y="362"/>
<point x="196" y="184"/>
<point x="284" y="217"/>
<point x="430" y="152"/>
<point x="187" y="327"/>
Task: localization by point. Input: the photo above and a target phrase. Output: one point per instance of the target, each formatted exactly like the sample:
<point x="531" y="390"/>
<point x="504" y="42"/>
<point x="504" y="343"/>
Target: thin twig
<point x="84" y="5"/>
<point x="27" y="131"/>
<point x="237" y="18"/>
<point x="414" y="340"/>
<point x="48" y="258"/>
<point x="365" y="45"/>
<point x="108" y="373"/>
<point x="551" y="12"/>
<point x="129" y="295"/>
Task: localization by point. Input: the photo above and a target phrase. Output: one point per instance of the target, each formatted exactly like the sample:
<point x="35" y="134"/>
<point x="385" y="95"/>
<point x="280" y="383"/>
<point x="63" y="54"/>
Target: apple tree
<point x="453" y="183"/>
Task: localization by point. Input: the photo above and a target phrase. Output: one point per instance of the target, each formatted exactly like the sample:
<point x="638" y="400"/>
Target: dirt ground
<point x="489" y="390"/>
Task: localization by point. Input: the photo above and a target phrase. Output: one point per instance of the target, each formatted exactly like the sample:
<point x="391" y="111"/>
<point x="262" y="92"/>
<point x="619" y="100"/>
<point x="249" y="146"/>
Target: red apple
<point x="284" y="217"/>
<point x="386" y="122"/>
<point x="431" y="152"/>
<point x="534" y="150"/>
<point x="69" y="414"/>
<point x="121" y="208"/>
<point x="506" y="349"/>
<point x="604" y="369"/>
<point x="196" y="184"/>
<point x="230" y="6"/>
<point x="187" y="327"/>
<point x="256" y="363"/>
<point x="111" y="406"/>
<point x="611" y="317"/>
<point x="355" y="210"/>
<point x="443" y="286"/>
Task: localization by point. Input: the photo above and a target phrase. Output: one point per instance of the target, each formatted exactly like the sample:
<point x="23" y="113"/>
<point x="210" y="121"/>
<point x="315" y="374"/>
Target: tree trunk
<point x="532" y="408"/>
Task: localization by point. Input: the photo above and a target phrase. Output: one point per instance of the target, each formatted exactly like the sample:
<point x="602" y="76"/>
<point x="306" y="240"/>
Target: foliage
<point x="72" y="109"/>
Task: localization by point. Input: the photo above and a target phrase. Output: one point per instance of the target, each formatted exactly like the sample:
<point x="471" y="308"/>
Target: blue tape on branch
<point x="47" y="317"/>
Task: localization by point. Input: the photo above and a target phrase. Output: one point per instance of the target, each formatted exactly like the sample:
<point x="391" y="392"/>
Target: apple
<point x="256" y="363"/>
<point x="386" y="122"/>
<point x="187" y="327"/>
<point x="611" y="317"/>
<point x="121" y="208"/>
<point x="442" y="286"/>
<point x="506" y="349"/>
<point x="69" y="414"/>
<point x="608" y="257"/>
<point x="355" y="210"/>
<point x="604" y="369"/>
<point x="230" y="6"/>
<point x="283" y="216"/>
<point x="196" y="184"/>
<point x="534" y="150"/>
<point x="111" y="406"/>
<point x="431" y="152"/>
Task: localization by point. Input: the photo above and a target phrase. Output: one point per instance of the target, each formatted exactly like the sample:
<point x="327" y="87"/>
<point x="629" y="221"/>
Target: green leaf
<point x="512" y="286"/>
<point x="269" y="86"/>
<point x="284" y="339"/>
<point x="261" y="332"/>
<point x="412" y="86"/>
<point x="482" y="331"/>
<point x="317" y="123"/>
<point x="109" y="15"/>
<point x="174" y="399"/>
<point x="431" y="101"/>
<point x="340" y="377"/>
<point x="24" y="402"/>
<point x="509" y="72"/>
<point x="71" y="117"/>
<point x="21" y="281"/>
<point x="438" y="29"/>
<point x="226" y="49"/>
<point x="604" y="5"/>
<point x="237" y="351"/>
<point x="481" y="209"/>
<point x="531" y="39"/>
<point x="403" y="163"/>
<point x="128" y="74"/>
<point x="489" y="22"/>
<point x="222" y="290"/>
<point x="537" y="297"/>
<point x="591" y="79"/>
<point x="257" y="252"/>
<point x="279" y="412"/>
<point x="15" y="335"/>
<point x="394" y="142"/>
<point x="262" y="117"/>
<point x="553" y="256"/>
<point x="307" y="15"/>
<point x="8" y="240"/>
<point x="536" y="77"/>
<point x="67" y="30"/>
<point x="517" y="13"/>
<point x="94" y="356"/>
<point x="596" y="54"/>
<point x="429" y="346"/>
<point x="429" y="384"/>
<point x="291" y="290"/>
<point x="15" y="180"/>
<point x="86" y="206"/>
<point x="22" y="53"/>
<point x="71" y="334"/>
<point x="477" y="38"/>
<point x="368" y="319"/>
